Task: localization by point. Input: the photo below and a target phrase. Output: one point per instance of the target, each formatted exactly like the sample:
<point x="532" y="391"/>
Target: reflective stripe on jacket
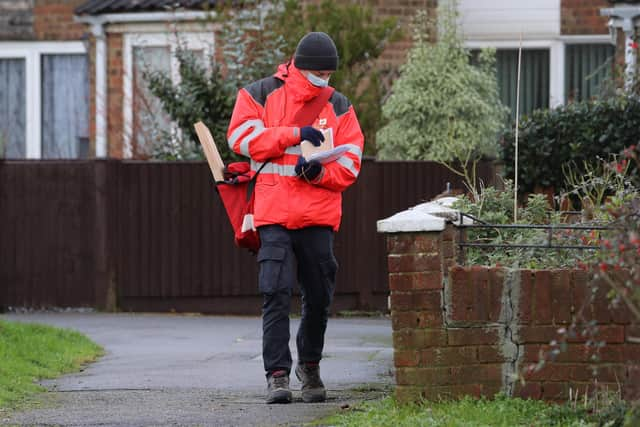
<point x="261" y="128"/>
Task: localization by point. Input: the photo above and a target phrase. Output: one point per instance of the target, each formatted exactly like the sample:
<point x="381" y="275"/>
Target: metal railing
<point x="549" y="245"/>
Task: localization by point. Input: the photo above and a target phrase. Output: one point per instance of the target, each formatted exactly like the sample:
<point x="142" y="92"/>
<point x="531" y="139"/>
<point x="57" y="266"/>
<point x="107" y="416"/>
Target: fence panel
<point x="46" y="233"/>
<point x="155" y="235"/>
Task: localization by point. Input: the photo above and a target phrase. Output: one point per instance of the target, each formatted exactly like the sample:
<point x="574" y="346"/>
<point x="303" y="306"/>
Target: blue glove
<point x="308" y="170"/>
<point x="311" y="134"/>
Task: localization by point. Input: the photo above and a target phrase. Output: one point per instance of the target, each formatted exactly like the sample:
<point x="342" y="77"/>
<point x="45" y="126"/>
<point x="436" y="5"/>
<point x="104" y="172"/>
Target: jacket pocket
<point x="271" y="261"/>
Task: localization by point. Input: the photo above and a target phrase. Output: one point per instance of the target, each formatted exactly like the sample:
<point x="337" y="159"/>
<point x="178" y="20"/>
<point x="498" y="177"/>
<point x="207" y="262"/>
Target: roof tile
<point x="97" y="7"/>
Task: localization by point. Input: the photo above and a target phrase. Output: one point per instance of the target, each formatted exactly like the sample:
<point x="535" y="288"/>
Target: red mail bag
<point x="236" y="192"/>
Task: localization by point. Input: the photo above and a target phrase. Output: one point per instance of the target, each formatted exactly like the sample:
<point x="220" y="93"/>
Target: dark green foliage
<point x="360" y="38"/>
<point x="201" y="95"/>
<point x="576" y="132"/>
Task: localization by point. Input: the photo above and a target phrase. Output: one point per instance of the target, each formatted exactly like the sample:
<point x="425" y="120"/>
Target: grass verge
<point x="29" y="352"/>
<point x="467" y="412"/>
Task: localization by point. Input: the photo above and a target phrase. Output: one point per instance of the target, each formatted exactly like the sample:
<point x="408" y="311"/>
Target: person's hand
<point x="308" y="170"/>
<point x="311" y="134"/>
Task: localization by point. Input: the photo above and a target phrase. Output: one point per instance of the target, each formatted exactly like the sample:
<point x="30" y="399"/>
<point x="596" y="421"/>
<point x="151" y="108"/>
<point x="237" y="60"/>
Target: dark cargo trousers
<point x="286" y="256"/>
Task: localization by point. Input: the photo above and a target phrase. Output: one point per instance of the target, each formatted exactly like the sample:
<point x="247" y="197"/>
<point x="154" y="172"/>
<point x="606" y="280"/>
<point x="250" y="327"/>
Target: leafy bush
<point x="443" y="108"/>
<point x="200" y="95"/>
<point x="578" y="133"/>
<point x="620" y="246"/>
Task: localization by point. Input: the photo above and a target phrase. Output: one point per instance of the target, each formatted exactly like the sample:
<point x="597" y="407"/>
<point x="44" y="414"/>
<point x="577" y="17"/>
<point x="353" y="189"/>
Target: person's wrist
<point x="294" y="140"/>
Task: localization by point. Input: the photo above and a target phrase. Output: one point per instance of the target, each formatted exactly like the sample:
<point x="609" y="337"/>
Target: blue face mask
<point x="317" y="81"/>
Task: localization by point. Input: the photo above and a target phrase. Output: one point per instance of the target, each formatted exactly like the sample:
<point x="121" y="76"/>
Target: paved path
<point x="162" y="370"/>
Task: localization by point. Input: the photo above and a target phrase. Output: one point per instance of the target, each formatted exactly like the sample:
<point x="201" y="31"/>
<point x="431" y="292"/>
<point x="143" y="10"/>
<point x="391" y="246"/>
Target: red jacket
<point x="261" y="128"/>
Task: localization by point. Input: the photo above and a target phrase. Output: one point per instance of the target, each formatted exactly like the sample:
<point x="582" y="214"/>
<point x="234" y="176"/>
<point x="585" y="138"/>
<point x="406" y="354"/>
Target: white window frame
<point x="192" y="41"/>
<point x="32" y="53"/>
<point x="556" y="49"/>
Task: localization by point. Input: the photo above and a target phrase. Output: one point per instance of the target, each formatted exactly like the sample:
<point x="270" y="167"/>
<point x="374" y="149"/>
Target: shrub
<point x="443" y="108"/>
<point x="620" y="246"/>
<point x="200" y="95"/>
<point x="577" y="133"/>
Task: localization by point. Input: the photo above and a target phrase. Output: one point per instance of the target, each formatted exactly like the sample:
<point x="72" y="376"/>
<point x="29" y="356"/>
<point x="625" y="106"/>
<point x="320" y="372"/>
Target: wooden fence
<point x="153" y="236"/>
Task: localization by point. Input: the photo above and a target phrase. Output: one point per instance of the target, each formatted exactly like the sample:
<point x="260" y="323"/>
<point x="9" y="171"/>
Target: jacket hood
<point x="296" y="83"/>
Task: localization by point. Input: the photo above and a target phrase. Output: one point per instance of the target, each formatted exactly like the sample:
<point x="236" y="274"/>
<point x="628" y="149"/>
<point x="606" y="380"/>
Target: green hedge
<point x="578" y="132"/>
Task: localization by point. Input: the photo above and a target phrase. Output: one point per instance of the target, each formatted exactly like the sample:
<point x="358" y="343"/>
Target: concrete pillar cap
<point x="429" y="216"/>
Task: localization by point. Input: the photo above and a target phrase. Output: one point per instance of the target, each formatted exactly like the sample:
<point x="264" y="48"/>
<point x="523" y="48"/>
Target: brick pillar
<point x="415" y="282"/>
<point x="421" y="247"/>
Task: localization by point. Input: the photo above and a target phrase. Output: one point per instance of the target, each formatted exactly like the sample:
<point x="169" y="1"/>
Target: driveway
<point x="181" y="370"/>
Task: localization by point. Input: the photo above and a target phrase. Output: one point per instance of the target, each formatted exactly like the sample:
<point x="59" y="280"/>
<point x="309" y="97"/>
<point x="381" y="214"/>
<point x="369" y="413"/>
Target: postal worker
<point x="298" y="203"/>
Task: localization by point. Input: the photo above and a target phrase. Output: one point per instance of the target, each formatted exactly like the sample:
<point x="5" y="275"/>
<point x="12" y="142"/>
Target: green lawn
<point x="29" y="352"/>
<point x="469" y="412"/>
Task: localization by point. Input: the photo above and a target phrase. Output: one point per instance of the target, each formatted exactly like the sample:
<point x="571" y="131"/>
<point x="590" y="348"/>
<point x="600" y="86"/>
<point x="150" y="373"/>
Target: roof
<point x="97" y="7"/>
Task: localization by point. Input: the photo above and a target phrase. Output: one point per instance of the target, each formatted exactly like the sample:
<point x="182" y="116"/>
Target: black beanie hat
<point x="316" y="51"/>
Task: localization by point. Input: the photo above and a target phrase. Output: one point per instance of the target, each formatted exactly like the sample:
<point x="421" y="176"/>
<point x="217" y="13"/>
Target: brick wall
<point x="16" y="19"/>
<point x="53" y="20"/>
<point x="115" y="95"/>
<point x="396" y="53"/>
<point x="91" y="52"/>
<point x="468" y="330"/>
<point x="583" y="17"/>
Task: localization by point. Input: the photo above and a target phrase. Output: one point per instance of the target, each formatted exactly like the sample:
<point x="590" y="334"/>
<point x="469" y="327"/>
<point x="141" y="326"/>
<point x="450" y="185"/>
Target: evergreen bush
<point x="201" y="95"/>
<point x="576" y="134"/>
<point x="443" y="108"/>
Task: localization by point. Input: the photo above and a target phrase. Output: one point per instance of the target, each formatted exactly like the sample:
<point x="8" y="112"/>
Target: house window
<point x="145" y="121"/>
<point x="65" y="106"/>
<point x="12" y="108"/>
<point x="587" y="67"/>
<point x="534" y="79"/>
<point x="552" y="71"/>
<point x="44" y="100"/>
<point x="150" y="121"/>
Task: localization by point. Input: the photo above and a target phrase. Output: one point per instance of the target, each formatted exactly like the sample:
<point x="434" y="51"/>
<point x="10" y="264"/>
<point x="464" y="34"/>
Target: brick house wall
<point x="39" y="20"/>
<point x="468" y="330"/>
<point x="583" y="17"/>
<point x="53" y="20"/>
<point x="396" y="53"/>
<point x="115" y="95"/>
<point x="16" y="19"/>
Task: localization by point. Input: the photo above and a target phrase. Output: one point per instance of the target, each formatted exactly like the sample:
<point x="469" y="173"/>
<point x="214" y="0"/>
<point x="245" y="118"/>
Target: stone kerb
<point x="471" y="330"/>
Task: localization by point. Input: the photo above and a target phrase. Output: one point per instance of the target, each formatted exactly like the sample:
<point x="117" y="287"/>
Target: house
<point x="70" y="70"/>
<point x="567" y="50"/>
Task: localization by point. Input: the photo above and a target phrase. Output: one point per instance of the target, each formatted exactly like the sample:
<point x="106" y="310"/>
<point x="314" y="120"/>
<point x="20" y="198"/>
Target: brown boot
<point x="312" y="387"/>
<point x="278" y="387"/>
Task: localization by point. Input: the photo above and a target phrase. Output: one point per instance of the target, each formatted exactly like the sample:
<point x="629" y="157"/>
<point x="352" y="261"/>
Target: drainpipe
<point x="97" y="30"/>
<point x="623" y="18"/>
